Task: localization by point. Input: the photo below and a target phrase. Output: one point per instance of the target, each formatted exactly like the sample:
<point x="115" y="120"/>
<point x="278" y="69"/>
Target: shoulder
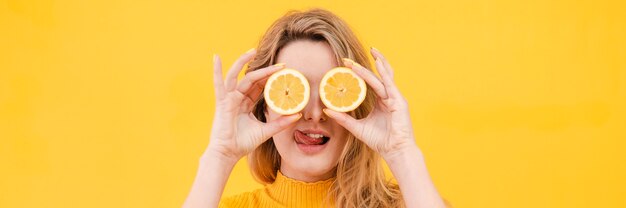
<point x="247" y="199"/>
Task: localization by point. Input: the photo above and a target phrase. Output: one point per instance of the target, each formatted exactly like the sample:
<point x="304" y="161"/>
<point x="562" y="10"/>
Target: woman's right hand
<point x="236" y="131"/>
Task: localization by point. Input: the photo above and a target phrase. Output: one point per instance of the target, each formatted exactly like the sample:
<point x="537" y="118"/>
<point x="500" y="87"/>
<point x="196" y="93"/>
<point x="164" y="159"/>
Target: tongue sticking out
<point x="304" y="139"/>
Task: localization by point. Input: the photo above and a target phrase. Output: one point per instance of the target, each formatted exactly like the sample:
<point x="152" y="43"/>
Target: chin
<point x="312" y="167"/>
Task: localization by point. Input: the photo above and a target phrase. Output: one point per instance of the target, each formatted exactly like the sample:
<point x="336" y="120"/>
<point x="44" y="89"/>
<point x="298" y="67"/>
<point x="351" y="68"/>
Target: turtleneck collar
<point x="294" y="193"/>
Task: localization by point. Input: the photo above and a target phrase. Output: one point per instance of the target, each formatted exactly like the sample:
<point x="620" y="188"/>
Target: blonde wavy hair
<point x="360" y="180"/>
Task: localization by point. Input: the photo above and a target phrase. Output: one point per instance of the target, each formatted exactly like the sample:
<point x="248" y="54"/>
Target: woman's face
<point x="303" y="156"/>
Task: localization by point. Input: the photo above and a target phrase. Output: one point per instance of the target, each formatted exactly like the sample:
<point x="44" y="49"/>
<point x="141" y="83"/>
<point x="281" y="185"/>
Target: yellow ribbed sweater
<point x="284" y="192"/>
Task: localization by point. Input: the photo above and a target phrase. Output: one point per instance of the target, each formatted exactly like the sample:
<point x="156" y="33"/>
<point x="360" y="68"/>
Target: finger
<point x="252" y="97"/>
<point x="257" y="91"/>
<point x="377" y="54"/>
<point x="384" y="74"/>
<point x="368" y="76"/>
<point x="380" y="67"/>
<point x="253" y="77"/>
<point x="390" y="86"/>
<point x="218" y="81"/>
<point x="231" y="78"/>
<point x="272" y="127"/>
<point x="345" y="120"/>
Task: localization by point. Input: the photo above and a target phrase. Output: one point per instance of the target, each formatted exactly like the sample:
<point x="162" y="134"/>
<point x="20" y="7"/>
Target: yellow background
<point x="515" y="103"/>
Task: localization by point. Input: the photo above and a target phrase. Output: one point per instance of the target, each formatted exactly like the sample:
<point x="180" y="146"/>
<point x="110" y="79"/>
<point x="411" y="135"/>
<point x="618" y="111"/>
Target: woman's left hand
<point x="387" y="129"/>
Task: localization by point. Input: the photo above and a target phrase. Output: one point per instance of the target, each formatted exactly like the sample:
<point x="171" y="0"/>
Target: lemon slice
<point x="342" y="90"/>
<point x="287" y="91"/>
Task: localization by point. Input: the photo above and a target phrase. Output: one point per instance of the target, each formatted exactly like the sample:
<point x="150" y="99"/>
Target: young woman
<point x="343" y="171"/>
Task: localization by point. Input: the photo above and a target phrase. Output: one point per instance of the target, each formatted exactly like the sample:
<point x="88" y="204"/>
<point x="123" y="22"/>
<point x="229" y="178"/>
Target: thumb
<point x="272" y="127"/>
<point x="345" y="120"/>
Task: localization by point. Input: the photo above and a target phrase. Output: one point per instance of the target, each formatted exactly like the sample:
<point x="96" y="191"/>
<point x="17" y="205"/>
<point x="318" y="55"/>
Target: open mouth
<point x="310" y="138"/>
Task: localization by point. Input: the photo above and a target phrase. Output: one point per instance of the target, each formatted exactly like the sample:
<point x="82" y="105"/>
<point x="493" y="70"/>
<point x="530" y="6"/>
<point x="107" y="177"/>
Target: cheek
<point x="282" y="138"/>
<point x="339" y="131"/>
<point x="341" y="135"/>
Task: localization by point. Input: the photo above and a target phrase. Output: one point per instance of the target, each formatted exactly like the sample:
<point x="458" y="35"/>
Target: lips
<point x="310" y="138"/>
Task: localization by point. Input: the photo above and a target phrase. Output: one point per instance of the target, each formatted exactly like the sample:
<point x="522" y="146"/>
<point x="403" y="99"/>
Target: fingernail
<point x="280" y="64"/>
<point x="348" y="60"/>
<point x="214" y="57"/>
<point x="325" y="111"/>
<point x="352" y="62"/>
<point x="252" y="49"/>
<point x="375" y="49"/>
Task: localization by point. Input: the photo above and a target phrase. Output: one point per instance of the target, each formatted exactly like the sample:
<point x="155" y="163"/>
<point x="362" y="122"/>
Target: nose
<point x="313" y="110"/>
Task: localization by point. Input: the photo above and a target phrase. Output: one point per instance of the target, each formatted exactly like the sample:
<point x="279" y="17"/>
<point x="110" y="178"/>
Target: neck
<point x="306" y="176"/>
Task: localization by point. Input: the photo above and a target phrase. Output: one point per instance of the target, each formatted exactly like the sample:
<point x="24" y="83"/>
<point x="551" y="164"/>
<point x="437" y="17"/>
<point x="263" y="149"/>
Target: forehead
<point x="312" y="58"/>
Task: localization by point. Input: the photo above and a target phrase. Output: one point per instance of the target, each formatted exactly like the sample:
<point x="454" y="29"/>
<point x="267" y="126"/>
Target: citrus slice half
<point x="287" y="91"/>
<point x="342" y="90"/>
